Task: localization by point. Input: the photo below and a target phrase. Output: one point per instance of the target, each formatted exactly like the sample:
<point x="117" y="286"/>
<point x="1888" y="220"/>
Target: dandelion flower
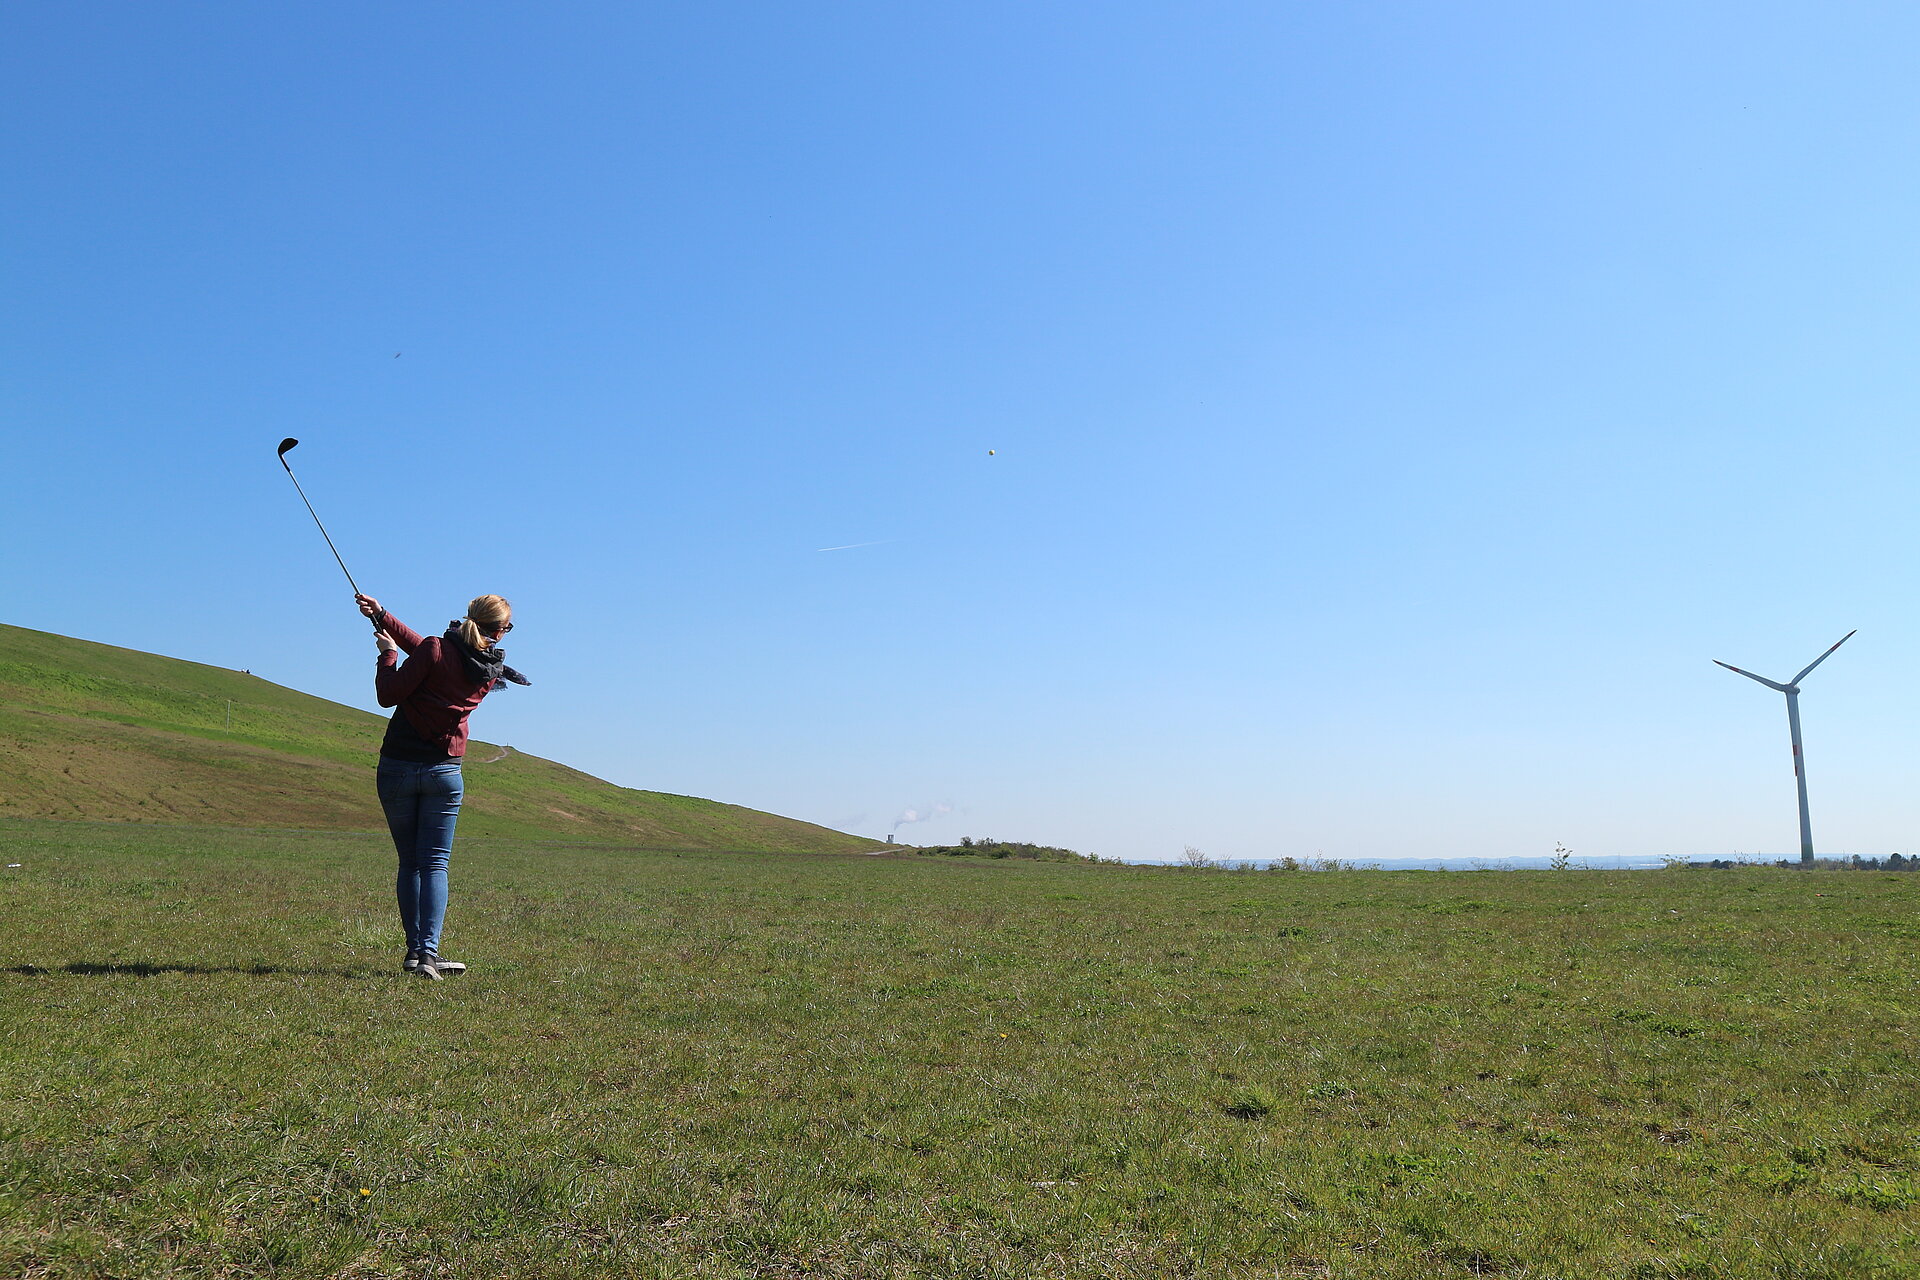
<point x="365" y="1192"/>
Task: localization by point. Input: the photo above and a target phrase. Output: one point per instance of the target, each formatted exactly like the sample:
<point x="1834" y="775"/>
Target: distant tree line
<point x="984" y="847"/>
<point x="1190" y="858"/>
<point x="1853" y="862"/>
<point x="1193" y="859"/>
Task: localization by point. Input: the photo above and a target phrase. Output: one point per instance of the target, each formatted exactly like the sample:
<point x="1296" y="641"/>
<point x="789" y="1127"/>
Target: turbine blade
<point x="1749" y="675"/>
<point x="1829" y="653"/>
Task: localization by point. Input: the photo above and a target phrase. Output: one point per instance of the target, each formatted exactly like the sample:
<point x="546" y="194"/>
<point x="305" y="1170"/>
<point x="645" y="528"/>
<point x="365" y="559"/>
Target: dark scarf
<point x="489" y="668"/>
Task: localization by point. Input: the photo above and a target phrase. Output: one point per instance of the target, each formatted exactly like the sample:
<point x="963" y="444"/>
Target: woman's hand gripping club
<point x="370" y="610"/>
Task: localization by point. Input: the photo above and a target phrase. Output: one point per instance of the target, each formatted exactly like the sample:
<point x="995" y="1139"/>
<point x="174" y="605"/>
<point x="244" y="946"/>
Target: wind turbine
<point x="1792" y="689"/>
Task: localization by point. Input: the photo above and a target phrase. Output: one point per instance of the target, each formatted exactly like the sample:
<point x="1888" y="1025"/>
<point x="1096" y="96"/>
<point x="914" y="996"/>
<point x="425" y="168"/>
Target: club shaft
<point x="323" y="528"/>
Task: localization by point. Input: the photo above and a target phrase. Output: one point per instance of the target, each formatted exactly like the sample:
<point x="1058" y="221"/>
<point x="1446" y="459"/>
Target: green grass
<point x="94" y="732"/>
<point x="714" y="1065"/>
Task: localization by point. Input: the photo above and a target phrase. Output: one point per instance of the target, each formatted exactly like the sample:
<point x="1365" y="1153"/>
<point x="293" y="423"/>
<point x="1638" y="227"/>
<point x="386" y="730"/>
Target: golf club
<point x="285" y="445"/>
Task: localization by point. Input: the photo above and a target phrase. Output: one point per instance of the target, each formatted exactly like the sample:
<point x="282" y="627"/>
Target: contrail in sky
<point x="851" y="545"/>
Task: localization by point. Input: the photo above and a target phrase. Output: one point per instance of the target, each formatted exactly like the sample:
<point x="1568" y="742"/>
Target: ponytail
<point x="485" y="616"/>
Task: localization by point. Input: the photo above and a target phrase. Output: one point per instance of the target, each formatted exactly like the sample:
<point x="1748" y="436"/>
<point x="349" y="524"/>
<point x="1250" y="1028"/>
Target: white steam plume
<point x="921" y="813"/>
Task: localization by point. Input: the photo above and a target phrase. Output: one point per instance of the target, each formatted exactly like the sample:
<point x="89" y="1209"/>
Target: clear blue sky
<point x="1395" y="407"/>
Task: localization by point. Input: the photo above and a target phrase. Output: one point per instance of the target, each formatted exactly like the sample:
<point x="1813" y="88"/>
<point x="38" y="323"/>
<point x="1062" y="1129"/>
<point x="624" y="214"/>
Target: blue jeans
<point x="422" y="801"/>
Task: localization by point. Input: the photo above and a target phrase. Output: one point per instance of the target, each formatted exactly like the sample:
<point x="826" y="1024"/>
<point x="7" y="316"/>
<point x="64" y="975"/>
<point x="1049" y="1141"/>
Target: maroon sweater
<point x="432" y="688"/>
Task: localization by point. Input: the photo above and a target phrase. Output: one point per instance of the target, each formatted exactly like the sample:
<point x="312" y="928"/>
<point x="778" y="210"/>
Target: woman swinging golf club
<point x="433" y="691"/>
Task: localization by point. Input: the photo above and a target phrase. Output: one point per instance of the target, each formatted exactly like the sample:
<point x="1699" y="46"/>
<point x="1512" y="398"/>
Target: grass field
<point x="93" y="732"/>
<point x="717" y="1065"/>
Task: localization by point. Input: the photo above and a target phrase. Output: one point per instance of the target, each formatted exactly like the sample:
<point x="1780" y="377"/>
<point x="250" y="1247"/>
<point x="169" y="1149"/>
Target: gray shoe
<point x="412" y="961"/>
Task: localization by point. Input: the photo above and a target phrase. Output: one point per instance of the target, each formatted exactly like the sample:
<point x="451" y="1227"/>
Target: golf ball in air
<point x="989" y="453"/>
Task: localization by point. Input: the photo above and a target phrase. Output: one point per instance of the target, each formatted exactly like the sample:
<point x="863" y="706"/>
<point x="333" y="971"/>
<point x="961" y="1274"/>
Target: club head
<point x="285" y="445"/>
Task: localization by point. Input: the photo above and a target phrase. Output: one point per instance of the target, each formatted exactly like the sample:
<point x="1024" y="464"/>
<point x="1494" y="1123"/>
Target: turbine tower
<point x="1792" y="689"/>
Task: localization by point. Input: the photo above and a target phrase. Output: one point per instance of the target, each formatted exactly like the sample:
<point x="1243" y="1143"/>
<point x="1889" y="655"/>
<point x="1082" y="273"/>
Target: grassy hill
<point x="90" y="731"/>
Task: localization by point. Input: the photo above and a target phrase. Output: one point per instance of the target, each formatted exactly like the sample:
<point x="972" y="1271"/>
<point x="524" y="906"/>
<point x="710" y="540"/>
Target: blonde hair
<point x="485" y="616"/>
